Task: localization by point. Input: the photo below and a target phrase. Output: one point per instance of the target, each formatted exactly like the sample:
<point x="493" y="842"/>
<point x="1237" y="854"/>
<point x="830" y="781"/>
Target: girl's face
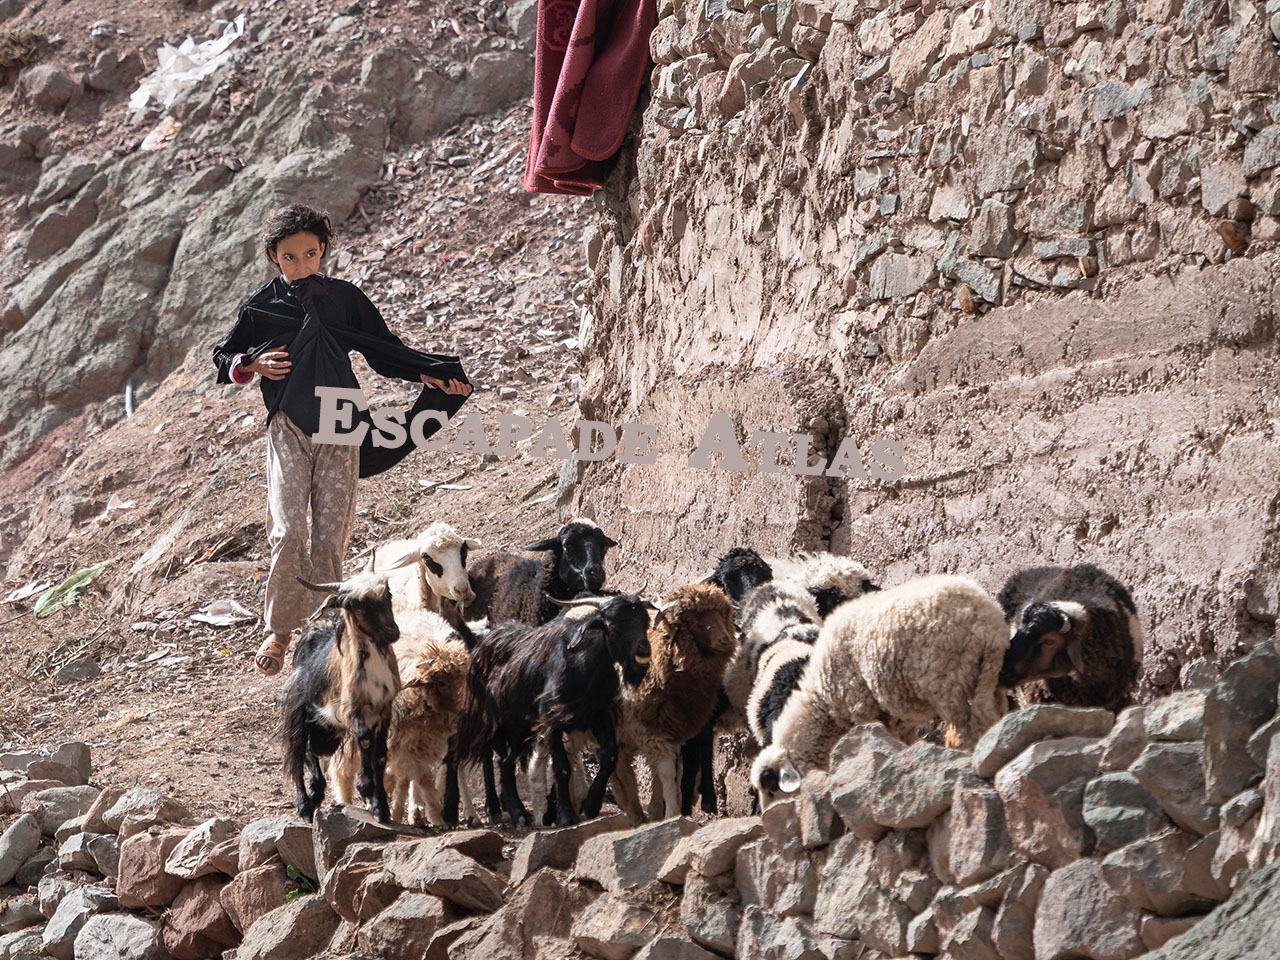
<point x="298" y="255"/>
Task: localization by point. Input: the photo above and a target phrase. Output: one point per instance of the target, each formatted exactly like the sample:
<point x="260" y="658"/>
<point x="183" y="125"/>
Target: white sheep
<point x="931" y="647"/>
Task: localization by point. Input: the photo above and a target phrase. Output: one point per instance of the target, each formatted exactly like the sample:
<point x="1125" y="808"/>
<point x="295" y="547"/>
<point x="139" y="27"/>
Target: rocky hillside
<point x="1033" y="243"/>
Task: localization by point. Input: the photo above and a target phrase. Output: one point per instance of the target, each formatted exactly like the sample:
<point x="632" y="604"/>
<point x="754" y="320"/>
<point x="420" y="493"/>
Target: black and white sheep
<point x="931" y="647"/>
<point x="529" y="681"/>
<point x="344" y="680"/>
<point x="428" y="568"/>
<point x="512" y="586"/>
<point x="1078" y="628"/>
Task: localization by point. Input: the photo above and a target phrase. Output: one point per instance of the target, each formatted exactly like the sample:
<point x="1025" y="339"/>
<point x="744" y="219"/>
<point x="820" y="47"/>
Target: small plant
<point x="305" y="884"/>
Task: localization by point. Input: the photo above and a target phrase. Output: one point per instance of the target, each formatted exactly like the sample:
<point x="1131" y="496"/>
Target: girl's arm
<point x="226" y="353"/>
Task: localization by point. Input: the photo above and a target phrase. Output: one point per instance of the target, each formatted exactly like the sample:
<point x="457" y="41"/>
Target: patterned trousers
<point x="301" y="473"/>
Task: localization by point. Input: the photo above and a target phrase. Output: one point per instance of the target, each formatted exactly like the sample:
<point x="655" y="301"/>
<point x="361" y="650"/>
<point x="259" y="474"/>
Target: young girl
<point x="295" y="333"/>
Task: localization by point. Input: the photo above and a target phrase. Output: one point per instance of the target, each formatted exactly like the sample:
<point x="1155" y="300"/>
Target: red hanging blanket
<point x="590" y="59"/>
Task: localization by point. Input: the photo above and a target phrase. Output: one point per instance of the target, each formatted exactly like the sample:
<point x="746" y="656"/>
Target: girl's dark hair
<point x="295" y="218"/>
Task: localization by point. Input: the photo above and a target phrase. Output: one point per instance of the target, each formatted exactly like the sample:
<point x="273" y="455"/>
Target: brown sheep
<point x="691" y="641"/>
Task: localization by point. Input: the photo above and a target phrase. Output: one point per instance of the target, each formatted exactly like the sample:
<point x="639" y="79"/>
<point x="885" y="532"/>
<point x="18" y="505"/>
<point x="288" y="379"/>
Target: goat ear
<point x="330" y="603"/>
<point x="472" y="543"/>
<point x="592" y="631"/>
<point x="547" y="543"/>
<point x="609" y="542"/>
<point x="789" y="778"/>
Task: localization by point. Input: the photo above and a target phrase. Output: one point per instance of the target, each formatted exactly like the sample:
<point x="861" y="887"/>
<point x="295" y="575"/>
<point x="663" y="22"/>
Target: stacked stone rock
<point x="1066" y="832"/>
<point x="998" y="146"/>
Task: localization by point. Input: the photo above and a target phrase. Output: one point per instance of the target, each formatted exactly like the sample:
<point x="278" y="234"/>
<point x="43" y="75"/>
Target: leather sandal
<point x="270" y="657"/>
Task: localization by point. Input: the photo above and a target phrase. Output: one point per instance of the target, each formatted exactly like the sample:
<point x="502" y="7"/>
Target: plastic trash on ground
<point x="179" y="67"/>
<point x="222" y="613"/>
<point x="69" y="590"/>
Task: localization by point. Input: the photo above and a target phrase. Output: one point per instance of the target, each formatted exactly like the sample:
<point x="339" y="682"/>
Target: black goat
<point x="344" y="681"/>
<point x="526" y="681"/>
<point x="509" y="586"/>
<point x="1077" y="626"/>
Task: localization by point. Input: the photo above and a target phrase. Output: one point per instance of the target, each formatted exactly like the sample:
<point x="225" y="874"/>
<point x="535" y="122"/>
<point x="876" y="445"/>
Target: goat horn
<point x="372" y="556"/>
<point x="596" y="602"/>
<point x="320" y="587"/>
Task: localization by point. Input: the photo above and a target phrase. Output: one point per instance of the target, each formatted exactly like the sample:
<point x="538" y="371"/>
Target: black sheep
<point x="1093" y="650"/>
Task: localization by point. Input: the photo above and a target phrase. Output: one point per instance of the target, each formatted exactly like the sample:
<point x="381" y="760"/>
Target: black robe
<point x="321" y="319"/>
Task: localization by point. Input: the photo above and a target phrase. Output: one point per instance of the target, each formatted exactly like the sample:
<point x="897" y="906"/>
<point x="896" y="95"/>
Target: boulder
<point x="768" y="937"/>
<point x="49" y="770"/>
<point x="254" y="893"/>
<point x="1246" y="927"/>
<point x="120" y="936"/>
<point x="558" y="848"/>
<point x="1174" y="775"/>
<point x="536" y="921"/>
<point x="19" y="914"/>
<point x="1019" y="729"/>
<point x="299" y="930"/>
<point x="344" y="885"/>
<point x="1013" y="930"/>
<point x="1151" y="873"/>
<point x="915" y="786"/>
<point x="621" y="860"/>
<point x="1240" y="702"/>
<point x="73" y="911"/>
<point x="46" y="87"/>
<point x="853" y="903"/>
<point x="1081" y="914"/>
<point x="141" y="807"/>
<point x="613" y="929"/>
<point x="60" y="804"/>
<point x="288" y="837"/>
<point x="29" y="873"/>
<point x="783" y="880"/>
<point x="198" y="925"/>
<point x="17" y="845"/>
<point x="143" y="881"/>
<point x="195" y="856"/>
<point x="337" y="826"/>
<point x="427" y="866"/>
<point x="405" y="928"/>
<point x="978" y="839"/>
<point x="710" y="912"/>
<point x="93" y="818"/>
<point x="1179" y="717"/>
<point x="674" y="948"/>
<point x="1043" y="794"/>
<point x="712" y="848"/>
<point x="75" y="852"/>
<point x="1120" y="810"/>
<point x="855" y="763"/>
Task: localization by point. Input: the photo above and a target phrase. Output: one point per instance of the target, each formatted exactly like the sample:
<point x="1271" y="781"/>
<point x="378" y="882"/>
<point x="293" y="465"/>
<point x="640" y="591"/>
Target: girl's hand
<point x="453" y="386"/>
<point x="272" y="364"/>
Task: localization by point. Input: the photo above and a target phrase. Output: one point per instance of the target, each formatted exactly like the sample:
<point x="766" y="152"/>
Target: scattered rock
<point x="140" y="808"/>
<point x="620" y="860"/>
<point x="1043" y="793"/>
<point x="405" y="928"/>
<point x="73" y="911"/>
<point x="60" y="804"/>
<point x="17" y="845"/>
<point x="120" y="936"/>
<point x="198" y="925"/>
<point x="1242" y="700"/>
<point x="613" y="929"/>
<point x="298" y="930"/>
<point x="1150" y="873"/>
<point x="1120" y="810"/>
<point x="1081" y="914"/>
<point x="195" y="856"/>
<point x="558" y="848"/>
<point x="254" y="893"/>
<point x="143" y="881"/>
<point x="1172" y="773"/>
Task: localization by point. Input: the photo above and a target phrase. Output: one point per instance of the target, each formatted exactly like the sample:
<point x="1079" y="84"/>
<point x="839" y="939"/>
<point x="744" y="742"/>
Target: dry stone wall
<point x="1064" y="833"/>
<point x="1033" y="242"/>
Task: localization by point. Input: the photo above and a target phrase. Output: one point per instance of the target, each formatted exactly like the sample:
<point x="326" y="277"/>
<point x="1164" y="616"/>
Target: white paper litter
<point x="222" y="613"/>
<point x="179" y="67"/>
<point x="21" y="593"/>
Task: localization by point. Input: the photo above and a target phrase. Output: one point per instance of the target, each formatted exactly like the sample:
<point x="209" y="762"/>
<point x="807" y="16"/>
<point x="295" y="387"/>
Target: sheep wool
<point x="931" y="647"/>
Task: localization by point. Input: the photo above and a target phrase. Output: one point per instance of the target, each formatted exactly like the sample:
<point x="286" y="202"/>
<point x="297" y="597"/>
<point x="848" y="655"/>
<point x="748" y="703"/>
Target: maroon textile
<point x="590" y="59"/>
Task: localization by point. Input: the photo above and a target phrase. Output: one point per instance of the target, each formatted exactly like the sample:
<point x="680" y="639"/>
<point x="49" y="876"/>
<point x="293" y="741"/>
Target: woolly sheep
<point x="931" y="647"/>
<point x="1077" y="628"/>
<point x="690" y="642"/>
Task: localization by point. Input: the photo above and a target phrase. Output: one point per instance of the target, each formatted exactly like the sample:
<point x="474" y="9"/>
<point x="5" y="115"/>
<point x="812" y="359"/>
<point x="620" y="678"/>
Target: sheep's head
<point x="832" y="579"/>
<point x="699" y="618"/>
<point x="579" y="550"/>
<point x="739" y="572"/>
<point x="444" y="554"/>
<point x="365" y="600"/>
<point x="773" y="775"/>
<point x="1048" y="642"/>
